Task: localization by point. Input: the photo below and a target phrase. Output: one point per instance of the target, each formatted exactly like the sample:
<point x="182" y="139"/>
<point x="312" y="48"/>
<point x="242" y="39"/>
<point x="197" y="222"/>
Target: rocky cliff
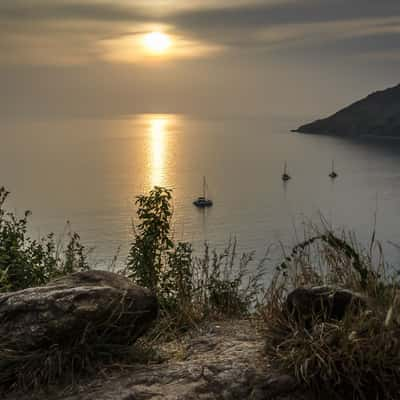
<point x="376" y="115"/>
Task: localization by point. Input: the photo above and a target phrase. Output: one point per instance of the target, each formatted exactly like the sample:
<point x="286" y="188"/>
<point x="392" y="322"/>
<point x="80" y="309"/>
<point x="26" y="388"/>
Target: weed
<point x="25" y="262"/>
<point x="357" y="357"/>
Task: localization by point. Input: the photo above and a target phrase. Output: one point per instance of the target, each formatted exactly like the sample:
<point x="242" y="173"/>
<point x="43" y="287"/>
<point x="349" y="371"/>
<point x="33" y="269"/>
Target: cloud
<point x="40" y="10"/>
<point x="256" y="15"/>
<point x="330" y="32"/>
<point x="240" y="25"/>
<point x="75" y="32"/>
<point x="129" y="48"/>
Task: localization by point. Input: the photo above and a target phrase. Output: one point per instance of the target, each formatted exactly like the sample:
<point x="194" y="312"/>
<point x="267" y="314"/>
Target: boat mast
<point x="204" y="186"/>
<point x="333" y="166"/>
<point x="285" y="169"/>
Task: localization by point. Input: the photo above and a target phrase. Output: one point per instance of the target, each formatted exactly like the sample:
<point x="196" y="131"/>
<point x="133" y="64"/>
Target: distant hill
<point x="376" y="115"/>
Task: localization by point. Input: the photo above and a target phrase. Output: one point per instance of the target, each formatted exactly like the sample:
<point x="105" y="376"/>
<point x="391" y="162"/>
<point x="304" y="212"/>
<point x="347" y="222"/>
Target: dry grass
<point x="356" y="358"/>
<point x="223" y="285"/>
<point x="104" y="343"/>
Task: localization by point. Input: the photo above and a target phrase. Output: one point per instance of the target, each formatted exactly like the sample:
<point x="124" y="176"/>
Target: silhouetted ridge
<point x="378" y="114"/>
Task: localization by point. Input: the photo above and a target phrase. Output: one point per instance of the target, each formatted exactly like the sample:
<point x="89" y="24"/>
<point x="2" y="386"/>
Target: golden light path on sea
<point x="158" y="130"/>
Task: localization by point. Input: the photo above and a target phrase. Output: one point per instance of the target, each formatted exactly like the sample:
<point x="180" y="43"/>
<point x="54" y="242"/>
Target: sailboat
<point x="333" y="174"/>
<point x="202" y="201"/>
<point x="285" y="175"/>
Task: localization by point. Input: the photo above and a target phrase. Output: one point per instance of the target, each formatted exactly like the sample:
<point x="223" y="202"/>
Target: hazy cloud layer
<point x="45" y="26"/>
<point x="237" y="46"/>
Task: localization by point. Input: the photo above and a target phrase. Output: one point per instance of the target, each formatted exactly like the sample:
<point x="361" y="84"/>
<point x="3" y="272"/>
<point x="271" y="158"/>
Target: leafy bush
<point x="354" y="358"/>
<point x="189" y="288"/>
<point x="25" y="262"/>
<point x="152" y="240"/>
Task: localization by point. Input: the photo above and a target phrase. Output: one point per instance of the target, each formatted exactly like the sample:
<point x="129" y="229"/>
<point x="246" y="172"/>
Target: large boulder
<point x="83" y="306"/>
<point x="322" y="302"/>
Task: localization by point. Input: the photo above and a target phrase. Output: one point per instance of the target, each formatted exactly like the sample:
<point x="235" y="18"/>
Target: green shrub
<point x="354" y="358"/>
<point x="152" y="238"/>
<point x="25" y="262"/>
<point x="189" y="288"/>
<point x="177" y="277"/>
<point x="154" y="260"/>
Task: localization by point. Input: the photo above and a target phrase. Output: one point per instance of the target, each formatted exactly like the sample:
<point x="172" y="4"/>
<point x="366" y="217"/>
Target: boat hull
<point x="203" y="203"/>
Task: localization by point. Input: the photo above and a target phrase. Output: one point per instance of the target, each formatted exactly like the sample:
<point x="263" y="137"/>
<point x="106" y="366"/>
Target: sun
<point x="157" y="42"/>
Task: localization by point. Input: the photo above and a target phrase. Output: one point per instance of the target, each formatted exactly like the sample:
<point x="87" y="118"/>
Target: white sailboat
<point x="333" y="173"/>
<point x="202" y="201"/>
<point x="285" y="175"/>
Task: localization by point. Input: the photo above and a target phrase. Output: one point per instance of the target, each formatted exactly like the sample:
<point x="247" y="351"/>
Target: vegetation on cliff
<point x="355" y="356"/>
<point x="25" y="262"/>
<point x="189" y="290"/>
<point x="351" y="355"/>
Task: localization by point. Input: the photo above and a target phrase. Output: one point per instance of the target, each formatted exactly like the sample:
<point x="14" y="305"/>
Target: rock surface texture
<point x="224" y="361"/>
<point x="322" y="301"/>
<point x="84" y="303"/>
<point x="376" y="115"/>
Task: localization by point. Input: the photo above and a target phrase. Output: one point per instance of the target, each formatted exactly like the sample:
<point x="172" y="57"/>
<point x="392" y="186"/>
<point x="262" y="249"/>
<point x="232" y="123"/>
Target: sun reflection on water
<point x="161" y="133"/>
<point x="158" y="127"/>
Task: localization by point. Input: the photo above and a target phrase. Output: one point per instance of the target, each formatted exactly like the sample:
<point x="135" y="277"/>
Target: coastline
<point x="360" y="136"/>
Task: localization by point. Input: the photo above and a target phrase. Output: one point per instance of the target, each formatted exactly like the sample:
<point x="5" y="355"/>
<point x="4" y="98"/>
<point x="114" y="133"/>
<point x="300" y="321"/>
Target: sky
<point x="85" y="58"/>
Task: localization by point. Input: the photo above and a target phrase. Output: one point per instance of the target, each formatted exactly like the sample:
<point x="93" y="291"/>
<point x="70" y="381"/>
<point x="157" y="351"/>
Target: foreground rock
<point x="324" y="302"/>
<point x="376" y="115"/>
<point x="96" y="303"/>
<point x="223" y="361"/>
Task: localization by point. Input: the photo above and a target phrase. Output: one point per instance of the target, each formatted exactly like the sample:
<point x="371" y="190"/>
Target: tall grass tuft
<point x="354" y="358"/>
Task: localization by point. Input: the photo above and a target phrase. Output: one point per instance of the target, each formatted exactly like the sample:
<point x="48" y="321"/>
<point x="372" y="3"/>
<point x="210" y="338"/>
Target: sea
<point x="84" y="175"/>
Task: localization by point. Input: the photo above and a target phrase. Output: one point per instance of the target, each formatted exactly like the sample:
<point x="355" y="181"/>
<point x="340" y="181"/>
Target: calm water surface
<point x="89" y="172"/>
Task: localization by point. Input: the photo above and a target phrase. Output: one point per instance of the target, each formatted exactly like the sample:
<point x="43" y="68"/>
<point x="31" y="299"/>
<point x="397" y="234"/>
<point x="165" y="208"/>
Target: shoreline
<point x="361" y="136"/>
